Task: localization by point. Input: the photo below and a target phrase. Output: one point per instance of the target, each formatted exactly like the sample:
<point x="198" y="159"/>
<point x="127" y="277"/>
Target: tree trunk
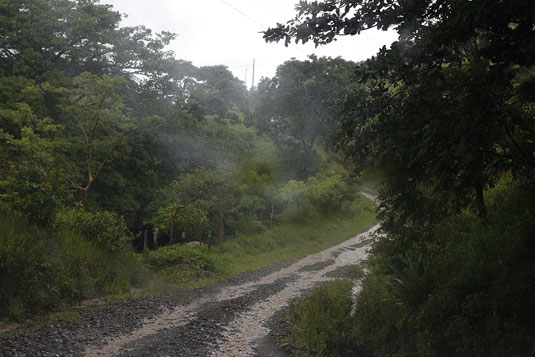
<point x="145" y="241"/>
<point x="172" y="230"/>
<point x="480" y="199"/>
<point x="271" y="215"/>
<point x="221" y="227"/>
<point x="85" y="197"/>
<point x="155" y="238"/>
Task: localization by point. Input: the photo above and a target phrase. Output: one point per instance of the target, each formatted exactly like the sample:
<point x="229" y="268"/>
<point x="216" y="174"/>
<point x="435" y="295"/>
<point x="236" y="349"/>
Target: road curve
<point x="223" y="320"/>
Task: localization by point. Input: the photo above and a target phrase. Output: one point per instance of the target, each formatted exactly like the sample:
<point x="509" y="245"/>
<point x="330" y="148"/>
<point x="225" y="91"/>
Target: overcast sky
<point x="212" y="32"/>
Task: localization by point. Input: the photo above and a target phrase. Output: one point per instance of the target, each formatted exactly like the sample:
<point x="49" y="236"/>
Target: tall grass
<point x="467" y="290"/>
<point x="321" y="322"/>
<point x="46" y="270"/>
<point x="295" y="237"/>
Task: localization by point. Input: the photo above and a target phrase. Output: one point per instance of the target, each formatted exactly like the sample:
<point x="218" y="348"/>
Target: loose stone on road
<point x="225" y="320"/>
<point x="229" y="322"/>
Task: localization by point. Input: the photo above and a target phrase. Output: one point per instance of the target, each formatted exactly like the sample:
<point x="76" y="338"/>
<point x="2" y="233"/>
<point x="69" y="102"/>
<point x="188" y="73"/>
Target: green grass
<point x="290" y="240"/>
<point x="71" y="315"/>
<point x="197" y="266"/>
<point x="44" y="270"/>
<point x="320" y="323"/>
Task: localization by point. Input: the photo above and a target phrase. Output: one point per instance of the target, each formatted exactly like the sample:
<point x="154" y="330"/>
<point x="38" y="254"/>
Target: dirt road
<point x="224" y="320"/>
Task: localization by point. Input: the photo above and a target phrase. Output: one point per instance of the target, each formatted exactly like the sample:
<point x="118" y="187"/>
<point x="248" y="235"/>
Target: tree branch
<point x="199" y="194"/>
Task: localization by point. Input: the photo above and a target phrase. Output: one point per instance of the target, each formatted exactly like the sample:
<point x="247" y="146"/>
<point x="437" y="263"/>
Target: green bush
<point x="179" y="255"/>
<point x="104" y="229"/>
<point x="181" y="264"/>
<point x="321" y="322"/>
<point x="46" y="270"/>
<point x="467" y="290"/>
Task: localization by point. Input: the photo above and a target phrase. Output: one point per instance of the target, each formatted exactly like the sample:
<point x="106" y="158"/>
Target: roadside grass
<point x="188" y="267"/>
<point x="320" y="323"/>
<point x="72" y="315"/>
<point x="129" y="275"/>
<point x="291" y="240"/>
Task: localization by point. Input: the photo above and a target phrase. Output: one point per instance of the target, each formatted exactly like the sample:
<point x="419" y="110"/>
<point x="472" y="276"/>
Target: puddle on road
<point x="241" y="333"/>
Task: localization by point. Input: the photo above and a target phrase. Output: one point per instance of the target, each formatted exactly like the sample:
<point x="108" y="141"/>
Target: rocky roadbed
<point x="102" y="323"/>
<point x="238" y="318"/>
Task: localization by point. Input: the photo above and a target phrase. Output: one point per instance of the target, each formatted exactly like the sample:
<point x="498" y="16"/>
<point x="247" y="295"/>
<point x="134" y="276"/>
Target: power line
<point x="243" y="14"/>
<point x="257" y="23"/>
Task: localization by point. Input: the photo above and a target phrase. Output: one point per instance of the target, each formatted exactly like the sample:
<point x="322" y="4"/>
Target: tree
<point x="57" y="40"/>
<point x="217" y="92"/>
<point x="187" y="201"/>
<point x="296" y="105"/>
<point x="441" y="30"/>
<point x="437" y="107"/>
<point x="293" y="192"/>
<point x="97" y="109"/>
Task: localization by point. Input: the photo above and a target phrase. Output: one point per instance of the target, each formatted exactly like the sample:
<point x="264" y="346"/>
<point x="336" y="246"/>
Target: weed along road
<point x="230" y="319"/>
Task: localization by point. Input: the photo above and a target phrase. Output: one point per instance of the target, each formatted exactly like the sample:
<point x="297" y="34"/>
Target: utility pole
<point x="246" y="77"/>
<point x="252" y="82"/>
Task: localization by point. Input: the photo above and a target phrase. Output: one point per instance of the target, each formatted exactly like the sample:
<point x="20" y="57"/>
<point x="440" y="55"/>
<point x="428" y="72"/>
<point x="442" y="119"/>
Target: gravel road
<point x="231" y="319"/>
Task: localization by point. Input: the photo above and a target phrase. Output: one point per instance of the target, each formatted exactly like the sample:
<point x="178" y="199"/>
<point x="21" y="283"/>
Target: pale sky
<point x="227" y="32"/>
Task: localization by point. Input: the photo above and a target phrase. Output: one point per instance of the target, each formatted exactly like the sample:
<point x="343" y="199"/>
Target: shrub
<point x="321" y="322"/>
<point x="44" y="270"/>
<point x="104" y="229"/>
<point x="182" y="264"/>
<point x="466" y="290"/>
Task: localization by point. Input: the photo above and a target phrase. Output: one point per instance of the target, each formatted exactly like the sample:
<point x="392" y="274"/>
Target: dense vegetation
<point x="110" y="145"/>
<point x="447" y="114"/>
<point x="106" y="138"/>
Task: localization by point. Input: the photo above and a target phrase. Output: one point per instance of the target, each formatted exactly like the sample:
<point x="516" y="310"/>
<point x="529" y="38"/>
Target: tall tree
<point x="96" y="107"/>
<point x="438" y="108"/>
<point x="297" y="104"/>
<point x="217" y="92"/>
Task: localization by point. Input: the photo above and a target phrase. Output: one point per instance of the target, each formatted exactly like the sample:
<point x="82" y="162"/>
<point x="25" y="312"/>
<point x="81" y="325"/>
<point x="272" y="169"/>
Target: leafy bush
<point x="174" y="255"/>
<point x="104" y="229"/>
<point x="467" y="290"/>
<point x="182" y="264"/>
<point x="45" y="270"/>
<point x="321" y="322"/>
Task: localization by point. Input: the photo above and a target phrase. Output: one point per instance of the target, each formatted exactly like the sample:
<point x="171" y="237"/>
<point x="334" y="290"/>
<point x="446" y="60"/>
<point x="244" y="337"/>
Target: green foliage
<point x="463" y="293"/>
<point x="508" y="31"/>
<point x="291" y="238"/>
<point x="321" y="322"/>
<point x="45" y="270"/>
<point x="179" y="255"/>
<point x="294" y="108"/>
<point x="446" y="112"/>
<point x="328" y="191"/>
<point x="441" y="108"/>
<point x="219" y="93"/>
<point x="105" y="230"/>
<point x="184" y="265"/>
<point x="324" y="193"/>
